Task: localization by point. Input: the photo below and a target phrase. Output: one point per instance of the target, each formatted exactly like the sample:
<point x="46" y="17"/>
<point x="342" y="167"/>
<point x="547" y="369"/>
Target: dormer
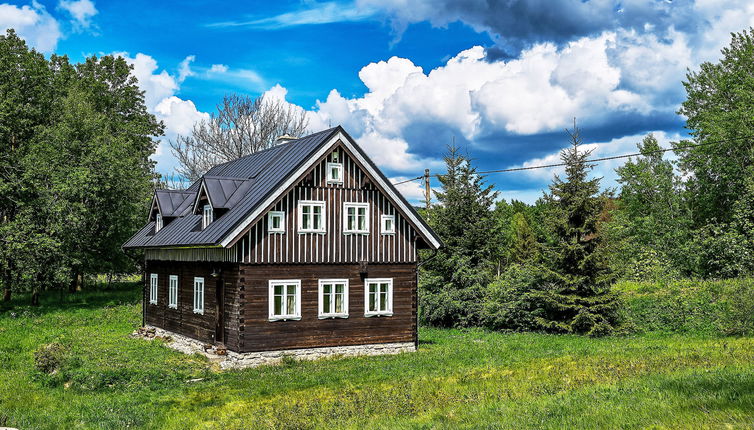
<point x="217" y="195"/>
<point x="168" y="205"/>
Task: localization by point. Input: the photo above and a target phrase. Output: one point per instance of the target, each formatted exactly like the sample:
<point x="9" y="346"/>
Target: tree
<point x="652" y="218"/>
<point x="241" y="126"/>
<point x="577" y="298"/>
<point x="453" y="282"/>
<point x="523" y="246"/>
<point x="720" y="110"/>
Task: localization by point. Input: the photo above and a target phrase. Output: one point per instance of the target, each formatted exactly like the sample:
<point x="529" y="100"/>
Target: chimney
<point x="280" y="140"/>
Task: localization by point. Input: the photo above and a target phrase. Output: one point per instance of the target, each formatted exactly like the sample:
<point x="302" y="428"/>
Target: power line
<point x="596" y="160"/>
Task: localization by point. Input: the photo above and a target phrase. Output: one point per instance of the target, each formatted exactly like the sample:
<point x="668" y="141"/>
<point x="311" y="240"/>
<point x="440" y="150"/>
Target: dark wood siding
<point x="183" y="320"/>
<point x="258" y="246"/>
<point x="260" y="334"/>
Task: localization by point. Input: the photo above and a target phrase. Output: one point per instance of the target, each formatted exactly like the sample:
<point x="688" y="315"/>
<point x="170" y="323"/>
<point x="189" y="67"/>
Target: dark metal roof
<point x="241" y="186"/>
<point x="174" y="203"/>
<point x="257" y="175"/>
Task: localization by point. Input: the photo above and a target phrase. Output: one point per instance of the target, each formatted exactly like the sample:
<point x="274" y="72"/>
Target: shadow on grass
<point x="720" y="389"/>
<point x="119" y="293"/>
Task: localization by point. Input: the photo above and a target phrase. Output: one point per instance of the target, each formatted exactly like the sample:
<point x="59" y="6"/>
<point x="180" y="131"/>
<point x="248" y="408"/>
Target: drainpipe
<point x="431" y="257"/>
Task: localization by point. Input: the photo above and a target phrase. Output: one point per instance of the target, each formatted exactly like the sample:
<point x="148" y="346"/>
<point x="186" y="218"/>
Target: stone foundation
<point x="235" y="360"/>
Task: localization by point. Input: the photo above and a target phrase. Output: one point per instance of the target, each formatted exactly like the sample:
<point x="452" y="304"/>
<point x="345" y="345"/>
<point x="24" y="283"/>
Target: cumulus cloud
<point x="184" y="68"/>
<point x="32" y="23"/>
<point x="81" y="11"/>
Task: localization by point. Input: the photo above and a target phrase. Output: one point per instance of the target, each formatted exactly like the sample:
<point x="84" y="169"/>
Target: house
<point x="303" y="246"/>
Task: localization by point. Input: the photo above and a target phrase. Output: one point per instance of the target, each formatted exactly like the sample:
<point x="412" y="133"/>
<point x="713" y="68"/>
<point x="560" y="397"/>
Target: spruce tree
<point x="523" y="246"/>
<point x="578" y="298"/>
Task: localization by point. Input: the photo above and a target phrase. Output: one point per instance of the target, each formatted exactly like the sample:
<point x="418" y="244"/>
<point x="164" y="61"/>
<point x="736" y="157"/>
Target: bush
<point x="690" y="306"/>
<point x="49" y="358"/>
<point x="509" y="302"/>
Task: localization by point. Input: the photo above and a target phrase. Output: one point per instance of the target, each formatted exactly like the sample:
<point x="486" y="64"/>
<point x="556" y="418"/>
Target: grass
<point x="458" y="379"/>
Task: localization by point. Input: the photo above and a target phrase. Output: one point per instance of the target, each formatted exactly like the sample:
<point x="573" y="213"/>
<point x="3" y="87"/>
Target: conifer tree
<point x="523" y="245"/>
<point x="578" y="298"/>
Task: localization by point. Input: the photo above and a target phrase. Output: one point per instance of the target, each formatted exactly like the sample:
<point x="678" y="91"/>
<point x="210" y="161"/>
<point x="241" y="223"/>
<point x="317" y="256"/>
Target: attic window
<point x="334" y="173"/>
<point x="207" y="216"/>
<point x="157" y="223"/>
<point x="388" y="224"/>
<point x="276" y="222"/>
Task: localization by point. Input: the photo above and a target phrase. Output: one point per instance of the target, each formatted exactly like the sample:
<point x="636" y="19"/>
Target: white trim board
<point x="295" y="177"/>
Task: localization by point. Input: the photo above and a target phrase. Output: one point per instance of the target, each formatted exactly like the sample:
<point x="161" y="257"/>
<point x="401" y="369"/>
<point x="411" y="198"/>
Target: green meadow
<point x="98" y="377"/>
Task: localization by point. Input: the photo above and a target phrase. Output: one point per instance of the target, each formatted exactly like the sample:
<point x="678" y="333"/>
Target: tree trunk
<point x="6" y="294"/>
<point x="6" y="286"/>
<point x="35" y="298"/>
<point x="75" y="282"/>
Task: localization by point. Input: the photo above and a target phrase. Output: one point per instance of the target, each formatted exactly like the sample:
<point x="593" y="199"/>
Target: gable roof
<point x="173" y="203"/>
<point x="249" y="185"/>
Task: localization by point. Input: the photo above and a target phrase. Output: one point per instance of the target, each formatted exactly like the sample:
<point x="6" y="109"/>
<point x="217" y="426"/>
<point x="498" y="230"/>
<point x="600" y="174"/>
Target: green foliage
<point x="690" y="306"/>
<point x="49" y="358"/>
<point x="511" y="301"/>
<point x="523" y="246"/>
<point x="452" y="285"/>
<point x="719" y="108"/>
<point x="75" y="173"/>
<point x="458" y="379"/>
<point x="579" y="299"/>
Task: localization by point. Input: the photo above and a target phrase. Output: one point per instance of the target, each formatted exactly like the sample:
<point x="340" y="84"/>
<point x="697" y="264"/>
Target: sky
<point x="502" y="79"/>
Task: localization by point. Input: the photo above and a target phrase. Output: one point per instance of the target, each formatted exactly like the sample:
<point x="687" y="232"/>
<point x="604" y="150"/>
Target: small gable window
<point x="333" y="298"/>
<point x="311" y="216"/>
<point x="173" y="292"/>
<point x="388" y="224"/>
<point x="153" y="289"/>
<point x="285" y="300"/>
<point x="199" y="295"/>
<point x="276" y="222"/>
<point x="334" y="173"/>
<point x="207" y="216"/>
<point x="378" y="297"/>
<point x="157" y="223"/>
<point x="356" y="218"/>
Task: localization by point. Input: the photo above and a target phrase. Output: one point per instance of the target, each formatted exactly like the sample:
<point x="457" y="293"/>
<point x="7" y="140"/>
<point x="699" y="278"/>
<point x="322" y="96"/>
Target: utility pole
<point x="427" y="191"/>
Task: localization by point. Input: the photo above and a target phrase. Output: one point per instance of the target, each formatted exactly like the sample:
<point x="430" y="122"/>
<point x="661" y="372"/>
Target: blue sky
<point x="503" y="78"/>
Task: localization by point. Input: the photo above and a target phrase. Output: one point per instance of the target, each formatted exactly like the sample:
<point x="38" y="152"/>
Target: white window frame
<point x="271" y="298"/>
<point x="321" y="296"/>
<point x="384" y="312"/>
<point x="356" y="206"/>
<point x="157" y="223"/>
<point x="339" y="167"/>
<point x="322" y="229"/>
<point x="153" y="288"/>
<point x="383" y="220"/>
<point x="199" y="286"/>
<point x="207" y="216"/>
<point x="173" y="292"/>
<point x="272" y="215"/>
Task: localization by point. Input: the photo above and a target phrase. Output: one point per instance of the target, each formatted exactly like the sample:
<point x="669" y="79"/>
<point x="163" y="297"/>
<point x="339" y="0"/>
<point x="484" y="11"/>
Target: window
<point x="199" y="295"/>
<point x="157" y="223"/>
<point x="378" y="297"/>
<point x="356" y="217"/>
<point x="333" y="298"/>
<point x="173" y="292"/>
<point x="207" y="216"/>
<point x="311" y="216"/>
<point x="276" y="222"/>
<point x="388" y="224"/>
<point x="153" y="289"/>
<point x="285" y="300"/>
<point x="334" y="173"/>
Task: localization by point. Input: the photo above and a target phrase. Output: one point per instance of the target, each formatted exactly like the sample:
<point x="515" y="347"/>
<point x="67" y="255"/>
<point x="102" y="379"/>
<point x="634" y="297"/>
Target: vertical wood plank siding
<point x="183" y="320"/>
<point x="334" y="247"/>
<point x="258" y="333"/>
<point x="229" y="255"/>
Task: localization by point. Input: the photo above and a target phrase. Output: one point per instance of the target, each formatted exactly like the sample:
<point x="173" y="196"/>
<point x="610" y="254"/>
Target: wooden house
<point x="303" y="245"/>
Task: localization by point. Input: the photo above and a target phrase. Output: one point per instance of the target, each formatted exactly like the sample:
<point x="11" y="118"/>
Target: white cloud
<point x="179" y="115"/>
<point x="413" y="191"/>
<point x="218" y="68"/>
<point x="81" y="11"/>
<point x="320" y="13"/>
<point x="32" y="23"/>
<point x="184" y="68"/>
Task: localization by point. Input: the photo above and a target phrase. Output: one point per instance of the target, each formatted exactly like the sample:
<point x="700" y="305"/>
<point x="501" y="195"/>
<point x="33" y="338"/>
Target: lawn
<point x="458" y="379"/>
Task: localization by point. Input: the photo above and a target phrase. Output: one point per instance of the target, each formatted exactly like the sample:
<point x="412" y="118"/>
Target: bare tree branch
<point x="241" y="126"/>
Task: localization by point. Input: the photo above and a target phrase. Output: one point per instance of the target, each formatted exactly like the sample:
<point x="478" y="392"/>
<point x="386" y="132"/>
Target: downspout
<point x="431" y="257"/>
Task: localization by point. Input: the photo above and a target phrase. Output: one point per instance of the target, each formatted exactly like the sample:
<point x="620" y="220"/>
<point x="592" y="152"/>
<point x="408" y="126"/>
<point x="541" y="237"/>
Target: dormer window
<point x="334" y="173"/>
<point x="157" y="223"/>
<point x="207" y="216"/>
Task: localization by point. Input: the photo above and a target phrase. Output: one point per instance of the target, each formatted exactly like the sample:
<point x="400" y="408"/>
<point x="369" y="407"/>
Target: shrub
<point x="49" y="358"/>
<point x="690" y="306"/>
